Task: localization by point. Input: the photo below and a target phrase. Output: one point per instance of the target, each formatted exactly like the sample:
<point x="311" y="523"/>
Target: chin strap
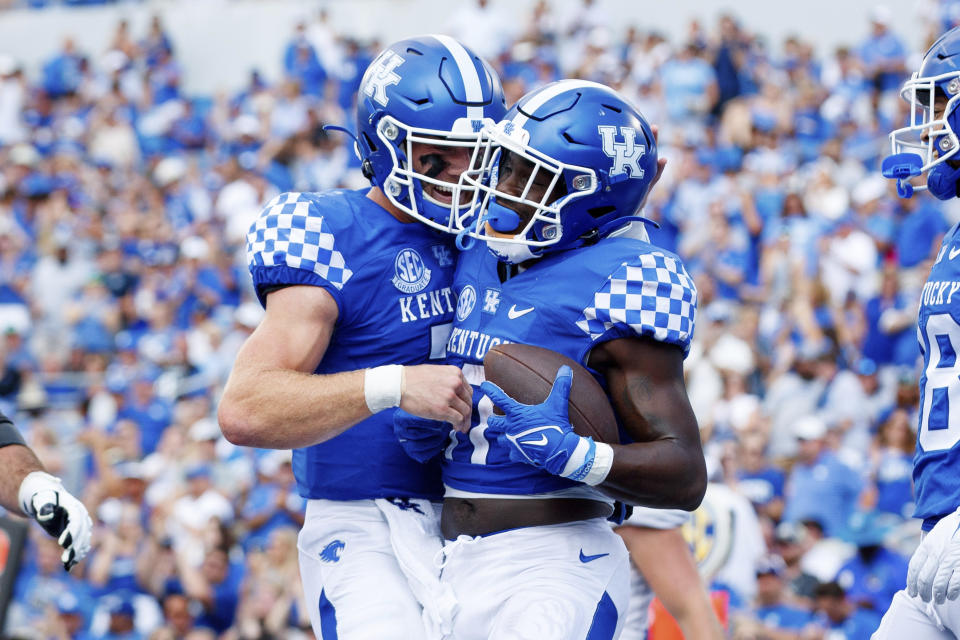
<point x="942" y="182"/>
<point x="465" y="241"/>
<point x="365" y="167"/>
<point x="334" y="127"/>
<point x="615" y="224"/>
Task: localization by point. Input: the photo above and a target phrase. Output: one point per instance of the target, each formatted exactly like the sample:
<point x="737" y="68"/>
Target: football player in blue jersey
<point x="526" y="499"/>
<point x="357" y="287"/>
<point x="928" y="607"/>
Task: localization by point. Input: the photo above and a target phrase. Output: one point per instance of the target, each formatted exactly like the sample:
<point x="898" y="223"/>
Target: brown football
<point x="526" y="373"/>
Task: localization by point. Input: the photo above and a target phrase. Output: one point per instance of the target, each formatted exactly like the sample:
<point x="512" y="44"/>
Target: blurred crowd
<point x="124" y="298"/>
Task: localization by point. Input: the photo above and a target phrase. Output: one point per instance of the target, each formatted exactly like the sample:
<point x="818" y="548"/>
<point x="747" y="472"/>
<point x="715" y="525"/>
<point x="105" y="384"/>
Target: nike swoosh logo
<point x="585" y="559"/>
<point x="539" y="443"/>
<point x="954" y="252"/>
<point x="513" y="313"/>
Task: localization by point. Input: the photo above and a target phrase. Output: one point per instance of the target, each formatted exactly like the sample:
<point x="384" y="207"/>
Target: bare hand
<point x="438" y="392"/>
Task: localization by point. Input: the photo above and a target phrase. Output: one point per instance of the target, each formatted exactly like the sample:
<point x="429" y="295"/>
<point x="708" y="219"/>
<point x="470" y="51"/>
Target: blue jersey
<point x="936" y="463"/>
<point x="568" y="303"/>
<point x="391" y="282"/>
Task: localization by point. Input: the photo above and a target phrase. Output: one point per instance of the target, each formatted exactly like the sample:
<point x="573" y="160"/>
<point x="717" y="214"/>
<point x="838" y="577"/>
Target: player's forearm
<point x="697" y="620"/>
<point x="16" y="461"/>
<point x="664" y="559"/>
<point x="663" y="473"/>
<point x="664" y="467"/>
<point x="283" y="409"/>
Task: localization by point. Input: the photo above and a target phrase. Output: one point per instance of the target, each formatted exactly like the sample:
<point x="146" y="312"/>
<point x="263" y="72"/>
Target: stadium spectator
<point x="63" y="73"/>
<point x="841" y="615"/>
<point x="13" y="96"/>
<point x="891" y="465"/>
<point x="875" y="573"/>
<point x="302" y="64"/>
<point x="689" y="84"/>
<point x="820" y="487"/>
<point x="758" y="478"/>
<point x="883" y="55"/>
<point x="121" y="623"/>
<point x="772" y="614"/>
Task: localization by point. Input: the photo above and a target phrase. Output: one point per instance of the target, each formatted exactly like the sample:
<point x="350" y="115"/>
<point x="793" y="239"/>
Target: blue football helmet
<point x="930" y="140"/>
<point x="429" y="90"/>
<point x="588" y="158"/>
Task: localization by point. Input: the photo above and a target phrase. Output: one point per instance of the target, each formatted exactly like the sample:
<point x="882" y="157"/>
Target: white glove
<point x="934" y="572"/>
<point x="43" y="498"/>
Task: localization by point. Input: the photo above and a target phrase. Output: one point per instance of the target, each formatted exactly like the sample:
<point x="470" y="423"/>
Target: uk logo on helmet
<point x="381" y="75"/>
<point x="626" y="155"/>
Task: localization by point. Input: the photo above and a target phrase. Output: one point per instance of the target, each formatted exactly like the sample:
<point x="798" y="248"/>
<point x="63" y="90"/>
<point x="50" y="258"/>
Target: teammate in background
<point x="527" y="499"/>
<point x="927" y="608"/>
<point x="664" y="567"/>
<point x="26" y="488"/>
<point x="357" y="291"/>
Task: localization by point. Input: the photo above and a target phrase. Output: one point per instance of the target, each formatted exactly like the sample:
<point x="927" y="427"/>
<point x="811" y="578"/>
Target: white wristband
<point x="602" y="461"/>
<point x="33" y="483"/>
<point x="383" y="387"/>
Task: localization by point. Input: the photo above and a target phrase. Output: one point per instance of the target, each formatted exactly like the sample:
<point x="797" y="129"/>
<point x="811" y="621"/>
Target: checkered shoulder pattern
<point x="291" y="232"/>
<point x="651" y="295"/>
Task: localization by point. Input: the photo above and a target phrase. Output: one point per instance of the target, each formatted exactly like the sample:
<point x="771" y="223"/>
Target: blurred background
<point x="138" y="141"/>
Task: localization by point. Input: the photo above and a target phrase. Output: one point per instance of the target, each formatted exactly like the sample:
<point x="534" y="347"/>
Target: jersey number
<point x="939" y="426"/>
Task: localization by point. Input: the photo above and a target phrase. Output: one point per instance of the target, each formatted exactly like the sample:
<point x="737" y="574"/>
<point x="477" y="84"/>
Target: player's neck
<point x="378" y="196"/>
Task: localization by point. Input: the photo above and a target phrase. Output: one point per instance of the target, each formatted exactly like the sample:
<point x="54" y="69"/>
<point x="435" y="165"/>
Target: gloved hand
<point x="44" y="498"/>
<point x="421" y="438"/>
<point x="934" y="571"/>
<point x="541" y="434"/>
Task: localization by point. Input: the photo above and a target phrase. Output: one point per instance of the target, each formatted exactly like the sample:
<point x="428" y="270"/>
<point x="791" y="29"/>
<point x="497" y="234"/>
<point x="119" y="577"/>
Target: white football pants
<point x="914" y="619"/>
<point x="366" y="567"/>
<point x="559" y="582"/>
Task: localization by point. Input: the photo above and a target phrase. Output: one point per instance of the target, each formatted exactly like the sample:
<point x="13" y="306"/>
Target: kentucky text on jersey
<point x="937" y="457"/>
<point x="618" y="288"/>
<point x="471" y="344"/>
<point x="423" y="306"/>
<point x="392" y="285"/>
<point x="939" y="292"/>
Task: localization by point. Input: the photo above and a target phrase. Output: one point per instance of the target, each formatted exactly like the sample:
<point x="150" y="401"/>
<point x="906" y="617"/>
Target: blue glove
<point x="421" y="438"/>
<point x="541" y="434"/>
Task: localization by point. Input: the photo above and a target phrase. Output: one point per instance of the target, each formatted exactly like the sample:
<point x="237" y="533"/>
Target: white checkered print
<point x="290" y="232"/>
<point x="653" y="296"/>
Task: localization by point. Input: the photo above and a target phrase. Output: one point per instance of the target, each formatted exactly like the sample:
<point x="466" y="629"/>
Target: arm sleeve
<point x="657" y="518"/>
<point x="651" y="296"/>
<point x="291" y="243"/>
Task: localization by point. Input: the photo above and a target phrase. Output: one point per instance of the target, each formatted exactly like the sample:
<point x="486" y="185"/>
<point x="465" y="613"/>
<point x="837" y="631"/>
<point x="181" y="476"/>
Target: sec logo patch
<point x="410" y="274"/>
<point x="465" y="302"/>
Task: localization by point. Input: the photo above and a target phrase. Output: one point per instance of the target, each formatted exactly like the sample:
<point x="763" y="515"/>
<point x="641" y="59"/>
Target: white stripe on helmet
<point x="549" y="93"/>
<point x="468" y="72"/>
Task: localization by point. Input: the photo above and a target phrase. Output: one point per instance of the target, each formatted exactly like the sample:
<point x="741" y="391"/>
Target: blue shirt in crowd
<point x="825" y="491"/>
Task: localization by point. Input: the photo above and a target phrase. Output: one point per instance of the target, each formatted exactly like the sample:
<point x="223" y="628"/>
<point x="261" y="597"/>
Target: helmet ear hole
<point x="371" y="145"/>
<point x="599" y="212"/>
